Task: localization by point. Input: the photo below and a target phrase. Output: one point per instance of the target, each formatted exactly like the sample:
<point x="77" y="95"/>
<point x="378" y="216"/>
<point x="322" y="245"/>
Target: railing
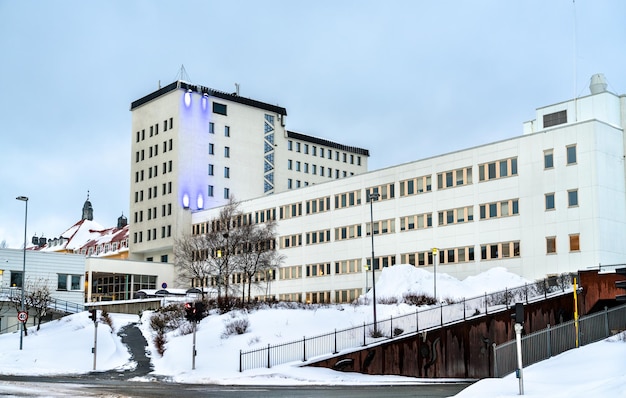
<point x="419" y="321"/>
<point x="11" y="294"/>
<point x="555" y="340"/>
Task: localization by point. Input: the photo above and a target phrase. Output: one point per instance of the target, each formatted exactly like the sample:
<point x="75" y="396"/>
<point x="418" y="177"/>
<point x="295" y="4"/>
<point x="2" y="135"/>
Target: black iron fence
<point x="421" y="320"/>
<point x="555" y="340"/>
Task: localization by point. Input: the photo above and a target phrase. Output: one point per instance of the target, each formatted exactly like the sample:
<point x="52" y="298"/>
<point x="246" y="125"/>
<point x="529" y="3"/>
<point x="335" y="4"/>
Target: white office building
<point x="194" y="147"/>
<point x="549" y="201"/>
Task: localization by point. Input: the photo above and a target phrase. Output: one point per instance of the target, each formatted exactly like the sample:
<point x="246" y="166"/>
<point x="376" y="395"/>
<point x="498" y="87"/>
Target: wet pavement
<point x="139" y="364"/>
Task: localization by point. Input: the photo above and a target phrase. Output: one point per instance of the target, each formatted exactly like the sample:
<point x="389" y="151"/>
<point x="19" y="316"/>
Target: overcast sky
<point x="404" y="79"/>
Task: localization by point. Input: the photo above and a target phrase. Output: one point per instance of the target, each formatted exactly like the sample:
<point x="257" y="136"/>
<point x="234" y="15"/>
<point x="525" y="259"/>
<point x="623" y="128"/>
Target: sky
<point x="404" y="79"/>
<point x="603" y="373"/>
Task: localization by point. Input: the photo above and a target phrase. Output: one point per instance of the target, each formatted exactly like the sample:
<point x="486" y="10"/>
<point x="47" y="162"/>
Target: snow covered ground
<point x="595" y="370"/>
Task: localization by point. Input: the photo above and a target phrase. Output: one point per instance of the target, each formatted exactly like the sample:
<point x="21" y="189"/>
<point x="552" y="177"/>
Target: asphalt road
<point x="75" y="387"/>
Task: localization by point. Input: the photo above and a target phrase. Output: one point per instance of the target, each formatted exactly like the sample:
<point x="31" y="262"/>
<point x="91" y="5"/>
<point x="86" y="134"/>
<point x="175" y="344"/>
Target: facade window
<point x="348" y="199"/>
<point x="290" y="211"/>
<point x="574" y="242"/>
<point x="550" y="201"/>
<point x="210" y="191"/>
<point x="317" y="237"/>
<point x="226" y="193"/>
<point x="415" y="186"/>
<point x="313" y="150"/>
<point x="218" y="108"/>
<point x="306" y="149"/>
<point x="554" y="119"/>
<point x="226" y="131"/>
<point x="456" y="216"/>
<point x="306" y="167"/>
<point x="298" y="147"/>
<point x="289" y="164"/>
<point x="210" y="169"/>
<point x="348" y="232"/>
<point x="211" y="149"/>
<point x="321" y="152"/>
<point x="211" y="128"/>
<point x="297" y="165"/>
<point x="416" y="221"/>
<point x="454" y="178"/>
<point x="386" y="191"/>
<point x="313" y="169"/>
<point x="16" y="279"/>
<point x="318" y="205"/>
<point x="551" y="244"/>
<point x="500" y="250"/>
<point x="503" y="208"/>
<point x="548" y="159"/>
<point x="289" y="183"/>
<point x="571" y="154"/>
<point x="381" y="227"/>
<point x="226" y="172"/>
<point x="226" y="152"/>
<point x="62" y="282"/>
<point x="290" y="145"/>
<point x="572" y="198"/>
<point x="500" y="169"/>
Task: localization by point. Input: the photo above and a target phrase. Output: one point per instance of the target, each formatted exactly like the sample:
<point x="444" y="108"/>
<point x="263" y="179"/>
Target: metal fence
<point x="419" y="321"/>
<point x="12" y="294"/>
<point x="555" y="340"/>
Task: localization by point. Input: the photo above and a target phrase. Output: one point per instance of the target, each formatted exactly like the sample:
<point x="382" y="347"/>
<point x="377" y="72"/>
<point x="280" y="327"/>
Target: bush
<point x="159" y="343"/>
<point x="387" y="300"/>
<point x="237" y="324"/>
<point x="106" y="318"/>
<point x="418" y="299"/>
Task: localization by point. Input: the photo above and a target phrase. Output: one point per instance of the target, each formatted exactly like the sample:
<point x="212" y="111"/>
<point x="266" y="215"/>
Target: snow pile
<point x="401" y="279"/>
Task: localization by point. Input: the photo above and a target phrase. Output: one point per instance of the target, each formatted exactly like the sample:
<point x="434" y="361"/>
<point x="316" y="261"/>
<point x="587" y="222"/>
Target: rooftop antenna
<point x="182" y="74"/>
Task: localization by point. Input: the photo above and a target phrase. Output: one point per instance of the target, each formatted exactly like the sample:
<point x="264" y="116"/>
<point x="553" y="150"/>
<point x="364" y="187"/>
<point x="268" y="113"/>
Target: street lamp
<point x="25" y="200"/>
<point x="372" y="197"/>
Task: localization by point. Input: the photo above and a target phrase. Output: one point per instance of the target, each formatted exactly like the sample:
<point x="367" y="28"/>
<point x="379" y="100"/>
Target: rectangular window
<point x="226" y="131"/>
<point x="226" y="172"/>
<point x="550" y="201"/>
<point x="548" y="159"/>
<point x="574" y="242"/>
<point x="551" y="244"/>
<point x="16" y="279"/>
<point x="219" y="108"/>
<point x="210" y="191"/>
<point x="75" y="284"/>
<point x="554" y="119"/>
<point x="211" y="128"/>
<point x="226" y="193"/>
<point x="211" y="149"/>
<point x="571" y="154"/>
<point x="62" y="282"/>
<point x="210" y="169"/>
<point x="306" y="149"/>
<point x="226" y="152"/>
<point x="572" y="198"/>
<point x="289" y="164"/>
<point x="298" y="145"/>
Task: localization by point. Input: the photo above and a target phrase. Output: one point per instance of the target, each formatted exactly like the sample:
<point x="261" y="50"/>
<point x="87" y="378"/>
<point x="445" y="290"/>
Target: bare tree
<point x="257" y="254"/>
<point x="37" y="296"/>
<point x="211" y="255"/>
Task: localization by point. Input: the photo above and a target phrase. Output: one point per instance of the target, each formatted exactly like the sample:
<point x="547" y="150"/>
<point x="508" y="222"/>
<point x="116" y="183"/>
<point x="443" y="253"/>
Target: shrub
<point x="106" y="318"/>
<point x="237" y="324"/>
<point x="418" y="299"/>
<point x="387" y="300"/>
<point x="375" y="333"/>
<point x="159" y="343"/>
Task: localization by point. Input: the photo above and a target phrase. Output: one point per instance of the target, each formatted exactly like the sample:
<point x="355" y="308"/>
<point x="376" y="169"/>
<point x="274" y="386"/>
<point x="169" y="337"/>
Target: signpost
<point x="22" y="316"/>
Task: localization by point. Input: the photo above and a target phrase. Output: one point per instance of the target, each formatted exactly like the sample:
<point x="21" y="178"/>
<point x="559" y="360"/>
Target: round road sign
<point x="22" y="316"/>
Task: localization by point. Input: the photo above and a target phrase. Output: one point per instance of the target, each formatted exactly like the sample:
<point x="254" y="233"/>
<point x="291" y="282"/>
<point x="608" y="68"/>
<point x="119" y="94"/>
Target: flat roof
<point x="179" y="84"/>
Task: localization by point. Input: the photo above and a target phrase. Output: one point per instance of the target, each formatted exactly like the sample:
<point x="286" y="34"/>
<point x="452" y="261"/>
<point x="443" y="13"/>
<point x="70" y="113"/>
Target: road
<point x="109" y="388"/>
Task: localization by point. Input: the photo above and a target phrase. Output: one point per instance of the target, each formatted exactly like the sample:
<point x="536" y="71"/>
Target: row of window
<point x="212" y="129"/>
<point x="151" y="234"/>
<point x="166" y="210"/>
<point x="315" y="170"/>
<point x="570" y="157"/>
<point x="574" y="243"/>
<point x="323" y="152"/>
<point x="102" y="248"/>
<point x="572" y="199"/>
<point x="154" y="129"/>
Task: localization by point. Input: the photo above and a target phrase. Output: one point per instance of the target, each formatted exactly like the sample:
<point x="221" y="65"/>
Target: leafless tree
<point x="258" y="255"/>
<point x="37" y="297"/>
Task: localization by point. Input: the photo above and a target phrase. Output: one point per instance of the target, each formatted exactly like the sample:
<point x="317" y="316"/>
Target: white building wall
<point x="599" y="218"/>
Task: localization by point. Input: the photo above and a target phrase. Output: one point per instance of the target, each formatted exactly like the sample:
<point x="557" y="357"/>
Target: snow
<point x="595" y="370"/>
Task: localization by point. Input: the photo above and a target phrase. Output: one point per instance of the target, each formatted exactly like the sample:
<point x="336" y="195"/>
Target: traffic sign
<point x="22" y="316"/>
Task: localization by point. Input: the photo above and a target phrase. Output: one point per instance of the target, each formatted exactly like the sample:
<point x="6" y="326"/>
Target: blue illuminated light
<point x="188" y="98"/>
<point x="205" y="101"/>
<point x="186" y="201"/>
<point x="200" y="202"/>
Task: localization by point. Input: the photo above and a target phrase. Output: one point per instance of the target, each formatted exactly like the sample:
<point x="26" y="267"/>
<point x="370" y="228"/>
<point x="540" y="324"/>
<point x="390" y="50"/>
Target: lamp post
<point x="435" y="250"/>
<point x="372" y="197"/>
<point x="25" y="200"/>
